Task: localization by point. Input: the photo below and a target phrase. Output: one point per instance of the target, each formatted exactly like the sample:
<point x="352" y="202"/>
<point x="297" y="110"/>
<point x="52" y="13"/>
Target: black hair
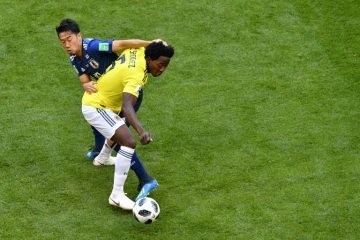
<point x="68" y="25"/>
<point x="156" y="49"/>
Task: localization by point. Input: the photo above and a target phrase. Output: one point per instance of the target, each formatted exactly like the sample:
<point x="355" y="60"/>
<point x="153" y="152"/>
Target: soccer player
<point x="119" y="89"/>
<point x="91" y="58"/>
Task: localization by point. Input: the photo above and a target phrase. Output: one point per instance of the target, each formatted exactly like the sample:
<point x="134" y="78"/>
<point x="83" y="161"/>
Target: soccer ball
<point x="146" y="210"/>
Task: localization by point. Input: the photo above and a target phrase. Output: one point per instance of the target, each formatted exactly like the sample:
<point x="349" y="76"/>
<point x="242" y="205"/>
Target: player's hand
<point x="159" y="40"/>
<point x="145" y="138"/>
<point x="89" y="87"/>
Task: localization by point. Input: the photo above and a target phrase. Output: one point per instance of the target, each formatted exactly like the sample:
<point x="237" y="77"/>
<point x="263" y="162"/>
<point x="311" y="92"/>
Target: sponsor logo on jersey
<point x="94" y="64"/>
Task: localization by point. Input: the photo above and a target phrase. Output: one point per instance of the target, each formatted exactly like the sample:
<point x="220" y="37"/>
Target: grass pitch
<point x="255" y="121"/>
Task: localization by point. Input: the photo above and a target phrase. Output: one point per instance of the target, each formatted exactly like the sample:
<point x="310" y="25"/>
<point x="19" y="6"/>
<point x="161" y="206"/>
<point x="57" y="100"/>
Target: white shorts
<point x="105" y="121"/>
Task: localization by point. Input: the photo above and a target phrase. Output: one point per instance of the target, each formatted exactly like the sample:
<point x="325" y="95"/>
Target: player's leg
<point x="111" y="126"/>
<point x="104" y="157"/>
<point x="136" y="164"/>
<point x="98" y="144"/>
<point x="126" y="140"/>
<point x="104" y="149"/>
<point x="137" y="167"/>
<point x="146" y="182"/>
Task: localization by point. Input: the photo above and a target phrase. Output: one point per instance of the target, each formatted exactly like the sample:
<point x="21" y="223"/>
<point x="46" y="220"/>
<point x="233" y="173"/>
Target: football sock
<point x="137" y="167"/>
<point x="105" y="152"/>
<point x="99" y="140"/>
<point x="122" y="166"/>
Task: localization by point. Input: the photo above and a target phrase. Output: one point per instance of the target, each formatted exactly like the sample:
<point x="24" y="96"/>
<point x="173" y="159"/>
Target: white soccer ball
<point x="146" y="210"/>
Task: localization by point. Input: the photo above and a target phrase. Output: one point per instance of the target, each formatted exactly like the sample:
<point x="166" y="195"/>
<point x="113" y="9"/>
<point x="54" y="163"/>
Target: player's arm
<point x="88" y="84"/>
<point x="129" y="101"/>
<point x="119" y="45"/>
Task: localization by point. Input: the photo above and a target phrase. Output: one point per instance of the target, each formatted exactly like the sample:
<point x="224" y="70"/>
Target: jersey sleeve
<point x="134" y="83"/>
<point x="97" y="45"/>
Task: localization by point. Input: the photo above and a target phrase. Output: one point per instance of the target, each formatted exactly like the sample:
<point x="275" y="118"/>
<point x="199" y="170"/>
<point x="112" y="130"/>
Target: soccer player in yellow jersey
<point x="118" y="89"/>
<point x="90" y="58"/>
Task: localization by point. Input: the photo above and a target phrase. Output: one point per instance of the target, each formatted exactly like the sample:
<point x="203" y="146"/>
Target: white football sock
<point x="122" y="166"/>
<point x="105" y="153"/>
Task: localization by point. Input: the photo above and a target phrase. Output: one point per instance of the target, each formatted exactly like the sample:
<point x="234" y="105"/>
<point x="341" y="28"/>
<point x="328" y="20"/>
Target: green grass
<point x="255" y="122"/>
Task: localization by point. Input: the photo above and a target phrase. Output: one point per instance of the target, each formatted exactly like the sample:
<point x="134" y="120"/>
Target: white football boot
<point x="102" y="162"/>
<point x="121" y="201"/>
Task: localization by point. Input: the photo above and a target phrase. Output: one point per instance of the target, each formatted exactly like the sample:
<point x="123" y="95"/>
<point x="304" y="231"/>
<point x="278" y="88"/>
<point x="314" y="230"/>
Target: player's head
<point x="158" y="57"/>
<point x="70" y="37"/>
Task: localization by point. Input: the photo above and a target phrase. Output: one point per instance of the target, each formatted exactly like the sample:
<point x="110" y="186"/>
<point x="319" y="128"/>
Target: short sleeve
<point x="97" y="45"/>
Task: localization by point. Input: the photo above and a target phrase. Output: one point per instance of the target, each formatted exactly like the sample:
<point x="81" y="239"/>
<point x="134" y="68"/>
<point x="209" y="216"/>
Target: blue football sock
<point x="137" y="167"/>
<point x="99" y="140"/>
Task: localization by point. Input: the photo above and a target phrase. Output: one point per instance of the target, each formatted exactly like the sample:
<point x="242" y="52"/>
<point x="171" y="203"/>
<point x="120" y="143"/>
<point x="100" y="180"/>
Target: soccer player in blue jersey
<point x="90" y="58"/>
<point x="119" y="89"/>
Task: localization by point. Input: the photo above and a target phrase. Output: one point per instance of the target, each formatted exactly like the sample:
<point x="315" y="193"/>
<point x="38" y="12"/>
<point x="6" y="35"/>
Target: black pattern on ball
<point x="144" y="213"/>
<point x="142" y="201"/>
<point x="148" y="221"/>
<point x="155" y="206"/>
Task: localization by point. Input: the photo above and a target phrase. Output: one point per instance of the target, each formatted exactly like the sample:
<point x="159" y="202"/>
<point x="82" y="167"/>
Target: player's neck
<point x="79" y="55"/>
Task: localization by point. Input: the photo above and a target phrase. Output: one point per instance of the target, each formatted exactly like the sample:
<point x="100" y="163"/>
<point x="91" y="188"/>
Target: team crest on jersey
<point x="94" y="64"/>
<point x="87" y="56"/>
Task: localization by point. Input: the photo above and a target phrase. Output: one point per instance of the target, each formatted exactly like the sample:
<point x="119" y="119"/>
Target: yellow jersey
<point x="127" y="74"/>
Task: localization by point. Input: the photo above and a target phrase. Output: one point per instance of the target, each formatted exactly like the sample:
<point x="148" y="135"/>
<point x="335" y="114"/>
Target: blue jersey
<point x="97" y="56"/>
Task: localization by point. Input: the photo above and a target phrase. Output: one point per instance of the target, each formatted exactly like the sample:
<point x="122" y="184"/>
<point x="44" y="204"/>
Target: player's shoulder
<point x="135" y="52"/>
<point x="88" y="42"/>
<point x="96" y="44"/>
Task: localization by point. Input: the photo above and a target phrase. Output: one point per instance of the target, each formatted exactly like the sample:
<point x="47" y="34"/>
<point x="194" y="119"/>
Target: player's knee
<point x="129" y="141"/>
<point x="124" y="137"/>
